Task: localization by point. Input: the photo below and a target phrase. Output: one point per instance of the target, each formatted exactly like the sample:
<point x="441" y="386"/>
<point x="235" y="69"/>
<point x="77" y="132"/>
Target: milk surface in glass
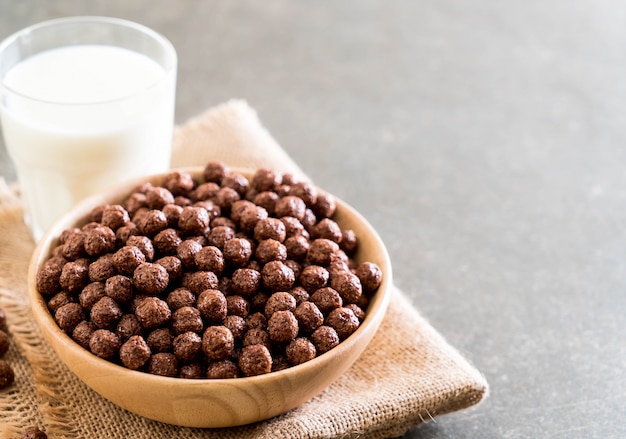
<point x="83" y="118"/>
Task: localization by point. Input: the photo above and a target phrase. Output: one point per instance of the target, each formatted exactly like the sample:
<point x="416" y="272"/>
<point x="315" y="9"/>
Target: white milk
<point x="107" y="116"/>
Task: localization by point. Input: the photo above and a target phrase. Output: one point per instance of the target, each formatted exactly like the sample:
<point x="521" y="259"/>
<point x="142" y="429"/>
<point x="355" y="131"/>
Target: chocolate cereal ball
<point x="290" y="205"/>
<point x="309" y="317"/>
<point x="226" y="197"/>
<point x="270" y="228"/>
<point x="347" y="285"/>
<point x="222" y="370"/>
<point x="265" y="179"/>
<point x="104" y="343"/>
<point x="199" y="281"/>
<point x="179" y="298"/>
<point x="349" y="242"/>
<point x="266" y="200"/>
<point x="48" y="276"/>
<point x="279" y="301"/>
<point x="193" y="370"/>
<point x="99" y="240"/>
<point x="255" y="360"/>
<point x="115" y="216"/>
<point x="257" y="336"/>
<point x="297" y="247"/>
<point x="58" y="300"/>
<point x="194" y="221"/>
<point x="128" y="258"/>
<point x="187" y="319"/>
<point x="163" y="364"/>
<point x="237" y="306"/>
<point x="128" y="326"/>
<point x="277" y="276"/>
<point x="144" y="244"/>
<point x="250" y="216"/>
<point x="172" y="265"/>
<point x="186" y="252"/>
<point x="167" y="241"/>
<point x="313" y="277"/>
<point x="270" y="250"/>
<point x="157" y="197"/>
<point x="91" y="294"/>
<point x="326" y="299"/>
<point x="300" y="351"/>
<point x="324" y="338"/>
<point x="237" y="251"/>
<point x="101" y="269"/>
<point x="245" y="281"/>
<point x="327" y="229"/>
<point x="7" y="376"/>
<point x="237" y="325"/>
<point x="4" y="342"/>
<point x="119" y="288"/>
<point x="343" y="321"/>
<point x="153" y="312"/>
<point x="325" y="205"/>
<point x="219" y="235"/>
<point x="215" y="172"/>
<point x="151" y="222"/>
<point x="187" y="347"/>
<point x="105" y="313"/>
<point x="74" y="246"/>
<point x="135" y="352"/>
<point x="172" y="213"/>
<point x="68" y="316"/>
<point x="33" y="433"/>
<point x="256" y="320"/>
<point x="370" y="275"/>
<point x="74" y="276"/>
<point x="206" y="191"/>
<point x="282" y="326"/>
<point x="82" y="333"/>
<point x="212" y="305"/>
<point x="160" y="340"/>
<point x="217" y="343"/>
<point x="178" y="183"/>
<point x="321" y="251"/>
<point x="210" y="258"/>
<point x="150" y="278"/>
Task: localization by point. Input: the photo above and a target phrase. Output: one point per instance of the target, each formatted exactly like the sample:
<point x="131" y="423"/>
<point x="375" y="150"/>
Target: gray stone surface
<point x="485" y="140"/>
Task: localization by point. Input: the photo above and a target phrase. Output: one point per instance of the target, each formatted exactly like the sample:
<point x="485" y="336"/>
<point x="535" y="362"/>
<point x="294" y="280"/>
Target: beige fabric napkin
<point x="408" y="375"/>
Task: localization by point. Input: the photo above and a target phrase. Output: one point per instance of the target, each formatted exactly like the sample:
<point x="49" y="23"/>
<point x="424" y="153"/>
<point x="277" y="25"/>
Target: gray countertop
<point x="485" y="140"/>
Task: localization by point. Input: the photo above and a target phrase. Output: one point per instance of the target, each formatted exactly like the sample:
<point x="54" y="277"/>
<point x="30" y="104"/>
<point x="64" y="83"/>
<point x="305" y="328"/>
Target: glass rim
<point x="160" y="39"/>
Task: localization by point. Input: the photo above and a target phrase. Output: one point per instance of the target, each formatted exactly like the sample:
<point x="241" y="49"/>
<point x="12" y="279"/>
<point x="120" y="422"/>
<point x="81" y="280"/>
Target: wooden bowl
<point x="210" y="402"/>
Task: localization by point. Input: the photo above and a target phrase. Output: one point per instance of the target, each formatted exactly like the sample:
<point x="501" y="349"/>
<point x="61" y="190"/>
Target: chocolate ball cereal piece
<point x="297" y="247"/>
<point x="186" y="252"/>
<point x="158" y="196"/>
<point x="293" y="226"/>
<point x="249" y="218"/>
<point x="282" y="326"/>
<point x="256" y="320"/>
<point x="279" y="362"/>
<point x="265" y="179"/>
<point x="128" y="258"/>
<point x="259" y="300"/>
<point x="210" y="258"/>
<point x="91" y="294"/>
<point x="192" y="371"/>
<point x="212" y="208"/>
<point x="172" y="213"/>
<point x="163" y="364"/>
<point x="105" y="313"/>
<point x="135" y="352"/>
<point x="187" y="319"/>
<point x="178" y="182"/>
<point x="325" y="205"/>
<point x="144" y="244"/>
<point x="357" y="310"/>
<point x="324" y="338"/>
<point x="237" y="251"/>
<point x="194" y="220"/>
<point x="309" y="316"/>
<point x="328" y="229"/>
<point x="187" y="347"/>
<point x="370" y="275"/>
<point x="215" y="171"/>
<point x="212" y="305"/>
<point x="226" y="197"/>
<point x="300" y="294"/>
<point x="172" y="265"/>
<point x="237" y="325"/>
<point x="349" y="241"/>
<point x="237" y="306"/>
<point x="104" y="343"/>
<point x="223" y="369"/>
<point x="153" y="312"/>
<point x="222" y="221"/>
<point x="160" y="340"/>
<point x="99" y="240"/>
<point x="321" y="251"/>
<point x="255" y="360"/>
<point x="151" y="222"/>
<point x="123" y="233"/>
<point x="266" y="200"/>
<point x="327" y="299"/>
<point x="128" y="326"/>
<point x="270" y="250"/>
<point x="68" y="316"/>
<point x="236" y="181"/>
<point x="33" y="433"/>
<point x="280" y="301"/>
<point x="58" y="300"/>
<point x="179" y="298"/>
<point x="119" y="288"/>
<point x="206" y="191"/>
<point x="7" y="376"/>
<point x="199" y="281"/>
<point x="115" y="216"/>
<point x="347" y="285"/>
<point x="343" y="321"/>
<point x="290" y="205"/>
<point x="82" y="333"/>
<point x="270" y="228"/>
<point x="4" y="342"/>
<point x="314" y="277"/>
<point x="150" y="278"/>
<point x="309" y="220"/>
<point x="47" y="280"/>
<point x="300" y="351"/>
<point x="245" y="281"/>
<point x="75" y="276"/>
<point x="217" y="343"/>
<point x="74" y="246"/>
<point x="219" y="235"/>
<point x="134" y="202"/>
<point x="277" y="276"/>
<point x="167" y="241"/>
<point x="237" y="209"/>
<point x="306" y="191"/>
<point x="102" y="268"/>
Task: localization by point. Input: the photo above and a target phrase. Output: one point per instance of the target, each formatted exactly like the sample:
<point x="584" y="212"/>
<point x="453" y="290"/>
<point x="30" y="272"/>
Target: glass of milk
<point x="85" y="103"/>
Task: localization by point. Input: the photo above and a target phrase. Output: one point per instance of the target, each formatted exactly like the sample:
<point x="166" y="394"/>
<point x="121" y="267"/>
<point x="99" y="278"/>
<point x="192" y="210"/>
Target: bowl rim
<point x="375" y="311"/>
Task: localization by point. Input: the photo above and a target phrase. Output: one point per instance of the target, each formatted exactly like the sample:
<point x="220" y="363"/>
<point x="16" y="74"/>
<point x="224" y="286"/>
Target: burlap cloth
<point x="408" y="375"/>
